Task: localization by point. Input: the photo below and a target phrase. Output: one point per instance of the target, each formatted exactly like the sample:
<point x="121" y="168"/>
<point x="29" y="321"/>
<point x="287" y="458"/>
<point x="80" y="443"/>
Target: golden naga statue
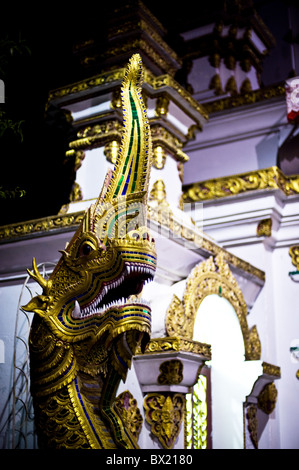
<point x="90" y="319"/>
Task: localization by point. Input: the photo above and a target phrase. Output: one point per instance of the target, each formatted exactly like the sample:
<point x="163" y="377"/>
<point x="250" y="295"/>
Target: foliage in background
<point x="10" y="129"/>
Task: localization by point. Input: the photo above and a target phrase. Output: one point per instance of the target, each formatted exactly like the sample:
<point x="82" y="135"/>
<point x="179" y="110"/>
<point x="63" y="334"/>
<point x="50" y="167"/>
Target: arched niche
<point x="232" y="377"/>
<point x="211" y="277"/>
<point x="213" y="311"/>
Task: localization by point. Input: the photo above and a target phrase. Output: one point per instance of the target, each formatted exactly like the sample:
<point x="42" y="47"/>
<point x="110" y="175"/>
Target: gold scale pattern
<point x="84" y="334"/>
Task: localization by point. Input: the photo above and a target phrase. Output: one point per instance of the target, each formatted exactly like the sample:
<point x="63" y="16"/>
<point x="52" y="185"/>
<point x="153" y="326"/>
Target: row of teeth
<point x="138" y="269"/>
<point x="77" y="313"/>
<point x="91" y="309"/>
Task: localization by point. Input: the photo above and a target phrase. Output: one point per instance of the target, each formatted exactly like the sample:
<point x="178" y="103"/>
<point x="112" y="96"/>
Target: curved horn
<point x="39" y="278"/>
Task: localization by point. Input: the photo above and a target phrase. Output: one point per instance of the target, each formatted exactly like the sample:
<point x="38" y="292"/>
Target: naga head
<point x="94" y="290"/>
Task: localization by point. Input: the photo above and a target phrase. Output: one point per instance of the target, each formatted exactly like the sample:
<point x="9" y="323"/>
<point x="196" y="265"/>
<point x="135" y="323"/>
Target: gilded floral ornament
<point x="164" y="414"/>
<point x="267" y="398"/>
<point x="171" y="372"/>
<point x="158" y="196"/>
<point x="175" y="344"/>
<point x="126" y="407"/>
<point x="212" y="276"/>
<point x="294" y="253"/>
<point x="252" y="424"/>
<point x="269" y="178"/>
<point x="264" y="228"/>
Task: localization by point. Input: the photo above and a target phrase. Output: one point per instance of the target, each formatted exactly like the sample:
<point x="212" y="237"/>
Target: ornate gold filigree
<point x="210" y="277"/>
<point x="215" y="84"/>
<point x="41" y="225"/>
<point x="294" y="254"/>
<point x="272" y="370"/>
<point x="175" y="344"/>
<point x="171" y="372"/>
<point x="264" y="228"/>
<point x="249" y="97"/>
<point x="169" y="142"/>
<point x="254" y="344"/>
<point x="164" y="413"/>
<point x="251" y="415"/>
<point x="97" y="135"/>
<point x="269" y="178"/>
<point x="157" y="215"/>
<point x="267" y="398"/>
<point x="87" y="84"/>
<point x="126" y="407"/>
<point x="231" y="86"/>
<point x="246" y="86"/>
<point x="158" y="83"/>
<point x="158" y="195"/>
<point x="76" y="193"/>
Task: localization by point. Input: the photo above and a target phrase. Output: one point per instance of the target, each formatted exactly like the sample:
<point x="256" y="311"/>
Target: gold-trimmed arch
<point x="212" y="276"/>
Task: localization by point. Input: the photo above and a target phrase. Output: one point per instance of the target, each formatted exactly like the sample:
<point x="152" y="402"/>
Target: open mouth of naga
<point x="118" y="292"/>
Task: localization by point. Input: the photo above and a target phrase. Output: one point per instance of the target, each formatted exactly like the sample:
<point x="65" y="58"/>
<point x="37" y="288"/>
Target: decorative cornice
<point x="176" y="344"/>
<point x="144" y="27"/>
<point x="112" y="79"/>
<point x="159" y="216"/>
<point x="109" y="79"/>
<point x="65" y="222"/>
<point x="98" y="134"/>
<point x="166" y="218"/>
<point x="158" y="83"/>
<point x="269" y="178"/>
<point x="251" y="97"/>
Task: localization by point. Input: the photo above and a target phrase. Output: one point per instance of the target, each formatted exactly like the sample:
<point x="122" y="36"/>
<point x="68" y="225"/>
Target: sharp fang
<point x="76" y="313"/>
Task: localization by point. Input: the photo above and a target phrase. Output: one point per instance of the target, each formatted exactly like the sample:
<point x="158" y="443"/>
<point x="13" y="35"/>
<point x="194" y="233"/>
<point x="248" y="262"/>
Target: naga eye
<point x="85" y="249"/>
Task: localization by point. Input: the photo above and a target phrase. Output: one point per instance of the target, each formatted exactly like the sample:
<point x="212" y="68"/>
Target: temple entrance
<point x="232" y="377"/>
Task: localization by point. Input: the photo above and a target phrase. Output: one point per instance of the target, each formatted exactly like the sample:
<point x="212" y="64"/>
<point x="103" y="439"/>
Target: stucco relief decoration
<point x="212" y="276"/>
<point x="267" y="398"/>
<point x="164" y="414"/>
<point x="294" y="254"/>
<point x="126" y="406"/>
<point x="252" y="424"/>
<point x="264" y="228"/>
<point x="171" y="372"/>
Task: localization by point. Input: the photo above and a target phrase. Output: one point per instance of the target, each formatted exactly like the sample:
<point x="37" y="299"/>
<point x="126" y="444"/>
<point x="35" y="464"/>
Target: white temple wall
<point x="233" y="223"/>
